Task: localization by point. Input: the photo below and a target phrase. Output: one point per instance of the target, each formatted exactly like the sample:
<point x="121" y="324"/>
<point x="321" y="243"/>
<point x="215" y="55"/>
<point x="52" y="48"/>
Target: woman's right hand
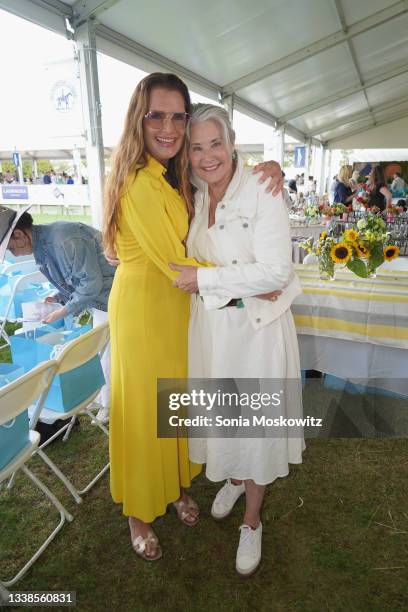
<point x="112" y="259"/>
<point x="272" y="296"/>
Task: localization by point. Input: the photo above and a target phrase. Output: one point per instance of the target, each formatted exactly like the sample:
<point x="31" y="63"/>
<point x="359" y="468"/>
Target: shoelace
<point x="245" y="540"/>
<point x="226" y="490"/>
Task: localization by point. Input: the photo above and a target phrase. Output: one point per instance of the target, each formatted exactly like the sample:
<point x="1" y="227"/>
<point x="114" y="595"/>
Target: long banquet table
<point x="354" y="328"/>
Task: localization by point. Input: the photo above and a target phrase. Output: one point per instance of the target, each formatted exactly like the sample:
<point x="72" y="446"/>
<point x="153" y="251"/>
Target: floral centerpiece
<point x="362" y="199"/>
<point x="322" y="250"/>
<point x="312" y="211"/>
<point x="332" y="210"/>
<point x="368" y="246"/>
<point x="361" y="250"/>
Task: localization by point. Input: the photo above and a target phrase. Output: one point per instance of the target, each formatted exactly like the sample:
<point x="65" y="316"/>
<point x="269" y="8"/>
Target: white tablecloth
<point x="355" y="329"/>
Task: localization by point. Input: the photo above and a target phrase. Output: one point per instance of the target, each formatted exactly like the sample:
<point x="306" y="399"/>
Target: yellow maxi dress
<point x="149" y="324"/>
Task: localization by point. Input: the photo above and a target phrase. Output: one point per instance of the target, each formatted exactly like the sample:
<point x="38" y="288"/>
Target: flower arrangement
<point x="394" y="210"/>
<point x="368" y="246"/>
<point x="332" y="210"/>
<point x="322" y="250"/>
<point x="362" y="199"/>
<point x="312" y="211"/>
<point x="361" y="250"/>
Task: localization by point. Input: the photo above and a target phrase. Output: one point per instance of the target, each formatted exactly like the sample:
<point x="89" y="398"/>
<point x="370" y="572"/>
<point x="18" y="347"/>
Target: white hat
<point x="8" y="221"/>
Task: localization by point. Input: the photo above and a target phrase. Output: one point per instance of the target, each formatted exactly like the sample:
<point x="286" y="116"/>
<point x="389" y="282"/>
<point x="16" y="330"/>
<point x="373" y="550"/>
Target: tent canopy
<point x="323" y="69"/>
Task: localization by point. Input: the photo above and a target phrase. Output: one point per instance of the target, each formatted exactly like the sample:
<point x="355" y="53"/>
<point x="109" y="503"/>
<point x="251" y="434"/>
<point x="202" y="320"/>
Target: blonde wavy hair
<point x="131" y="155"/>
<point x="344" y="174"/>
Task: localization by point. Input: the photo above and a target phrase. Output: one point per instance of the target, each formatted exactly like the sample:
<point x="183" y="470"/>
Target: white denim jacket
<point x="251" y="239"/>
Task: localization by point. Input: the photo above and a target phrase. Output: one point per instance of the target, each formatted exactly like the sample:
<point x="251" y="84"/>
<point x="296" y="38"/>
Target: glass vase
<point x="326" y="269"/>
<point x="371" y="270"/>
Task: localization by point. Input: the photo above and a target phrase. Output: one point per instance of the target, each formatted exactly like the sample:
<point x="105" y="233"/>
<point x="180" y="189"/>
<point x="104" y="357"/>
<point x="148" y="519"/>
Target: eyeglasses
<point x="156" y="119"/>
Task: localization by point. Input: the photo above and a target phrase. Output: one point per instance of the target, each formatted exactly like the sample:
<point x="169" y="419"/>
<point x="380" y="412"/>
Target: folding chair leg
<point x="96" y="422"/>
<point x="11" y="481"/>
<point x="60" y="475"/>
<point x="4" y="594"/>
<point x="64" y="515"/>
<point x="69" y="429"/>
<point x="95" y="480"/>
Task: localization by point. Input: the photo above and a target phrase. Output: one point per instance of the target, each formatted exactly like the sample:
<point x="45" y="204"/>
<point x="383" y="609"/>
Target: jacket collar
<point x="38" y="236"/>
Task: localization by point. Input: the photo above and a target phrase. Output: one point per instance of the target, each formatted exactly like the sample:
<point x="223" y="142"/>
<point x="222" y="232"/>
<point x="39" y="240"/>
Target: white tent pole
<point x="228" y="104"/>
<point x="321" y="188"/>
<point x="281" y="148"/>
<point x="92" y="117"/>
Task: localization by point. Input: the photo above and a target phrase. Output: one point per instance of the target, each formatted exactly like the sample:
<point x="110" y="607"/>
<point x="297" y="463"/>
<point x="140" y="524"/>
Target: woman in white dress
<point x="233" y="333"/>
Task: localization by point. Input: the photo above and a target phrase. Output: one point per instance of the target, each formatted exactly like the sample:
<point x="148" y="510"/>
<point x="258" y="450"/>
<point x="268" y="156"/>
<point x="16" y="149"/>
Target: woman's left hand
<point x="272" y="170"/>
<point x="187" y="279"/>
<point x="55" y="316"/>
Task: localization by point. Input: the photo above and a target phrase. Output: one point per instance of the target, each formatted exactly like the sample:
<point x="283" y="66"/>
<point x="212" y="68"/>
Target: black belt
<point x="237" y="302"/>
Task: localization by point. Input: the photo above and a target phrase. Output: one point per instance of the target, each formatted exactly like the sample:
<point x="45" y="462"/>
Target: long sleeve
<point x="79" y="256"/>
<point x="144" y="209"/>
<point x="272" y="268"/>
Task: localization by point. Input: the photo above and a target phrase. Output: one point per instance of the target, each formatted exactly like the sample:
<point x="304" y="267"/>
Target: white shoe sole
<point x="248" y="573"/>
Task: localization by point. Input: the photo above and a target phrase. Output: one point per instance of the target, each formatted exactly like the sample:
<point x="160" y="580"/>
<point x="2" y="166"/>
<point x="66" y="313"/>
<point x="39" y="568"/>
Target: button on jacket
<point x="71" y="256"/>
<point x="252" y="239"/>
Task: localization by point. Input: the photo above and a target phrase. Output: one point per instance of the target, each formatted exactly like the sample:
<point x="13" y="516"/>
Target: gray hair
<point x="210" y="112"/>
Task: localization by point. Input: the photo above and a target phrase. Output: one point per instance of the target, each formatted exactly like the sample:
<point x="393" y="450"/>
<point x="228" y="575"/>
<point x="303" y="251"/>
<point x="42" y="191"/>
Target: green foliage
<point x="44" y="165"/>
<point x="8" y="166"/>
<point x="376" y="254"/>
<point x="358" y="267"/>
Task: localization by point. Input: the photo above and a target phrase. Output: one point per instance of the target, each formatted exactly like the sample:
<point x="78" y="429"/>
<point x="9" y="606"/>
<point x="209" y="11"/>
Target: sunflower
<point x="323" y="236"/>
<point x="391" y="252"/>
<point x="362" y="250"/>
<point x="350" y="235"/>
<point x="341" y="252"/>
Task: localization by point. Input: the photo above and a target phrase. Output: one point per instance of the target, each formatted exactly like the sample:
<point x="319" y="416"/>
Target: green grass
<point x="335" y="537"/>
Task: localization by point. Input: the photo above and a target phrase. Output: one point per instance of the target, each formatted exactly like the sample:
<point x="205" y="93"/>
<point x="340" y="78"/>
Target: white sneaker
<point x="249" y="550"/>
<point x="225" y="499"/>
<point x="102" y="415"/>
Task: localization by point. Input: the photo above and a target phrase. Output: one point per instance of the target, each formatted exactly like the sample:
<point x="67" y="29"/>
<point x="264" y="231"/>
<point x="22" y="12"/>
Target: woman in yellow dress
<point x="147" y="208"/>
<point x="146" y="222"/>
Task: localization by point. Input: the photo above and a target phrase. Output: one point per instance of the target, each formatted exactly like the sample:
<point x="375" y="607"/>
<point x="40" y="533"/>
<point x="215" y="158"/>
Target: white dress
<point x="224" y="344"/>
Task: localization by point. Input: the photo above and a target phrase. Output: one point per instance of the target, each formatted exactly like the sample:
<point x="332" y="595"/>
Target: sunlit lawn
<point x="335" y="537"/>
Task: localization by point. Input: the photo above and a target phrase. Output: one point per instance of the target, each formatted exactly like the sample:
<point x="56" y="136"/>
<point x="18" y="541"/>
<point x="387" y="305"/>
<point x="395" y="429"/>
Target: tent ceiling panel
<point x="383" y="48"/>
<point x="399" y="109"/>
<point x="346" y="128"/>
<point x="354" y="11"/>
<point x="209" y="38"/>
<point x="390" y="134"/>
<point x="303" y="83"/>
<point x="221" y="43"/>
<point x="394" y="89"/>
<point x="337" y="111"/>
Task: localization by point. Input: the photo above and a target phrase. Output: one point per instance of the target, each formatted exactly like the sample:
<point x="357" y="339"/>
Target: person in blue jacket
<point x="71" y="257"/>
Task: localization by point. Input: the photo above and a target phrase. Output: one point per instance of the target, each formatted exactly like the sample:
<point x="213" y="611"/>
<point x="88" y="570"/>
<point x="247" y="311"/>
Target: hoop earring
<point x="234" y="156"/>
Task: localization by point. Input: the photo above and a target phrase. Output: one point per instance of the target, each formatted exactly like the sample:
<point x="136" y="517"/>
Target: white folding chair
<point x="21" y="283"/>
<point x="14" y="399"/>
<point x="73" y="355"/>
<point x="26" y="266"/>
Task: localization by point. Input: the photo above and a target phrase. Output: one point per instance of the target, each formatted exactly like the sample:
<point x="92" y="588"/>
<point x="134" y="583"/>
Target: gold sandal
<point x="184" y="511"/>
<point x="141" y="545"/>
